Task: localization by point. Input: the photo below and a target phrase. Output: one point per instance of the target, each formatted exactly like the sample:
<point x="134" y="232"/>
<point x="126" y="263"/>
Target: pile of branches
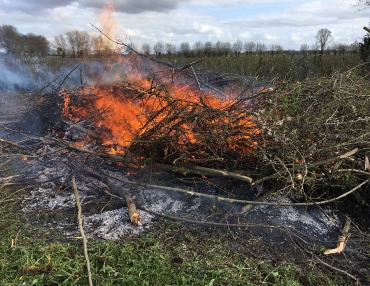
<point x="300" y="136"/>
<point x="315" y="133"/>
<point x="186" y="126"/>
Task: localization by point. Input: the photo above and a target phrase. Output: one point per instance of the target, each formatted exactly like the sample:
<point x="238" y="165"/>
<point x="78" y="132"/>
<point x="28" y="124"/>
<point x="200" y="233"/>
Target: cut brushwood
<point x="133" y="213"/>
<point x="192" y="169"/>
<point x="342" y="239"/>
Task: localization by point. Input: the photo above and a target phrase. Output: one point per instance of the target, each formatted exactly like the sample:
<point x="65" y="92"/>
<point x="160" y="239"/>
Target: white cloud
<point x="188" y="20"/>
<point x="270" y="37"/>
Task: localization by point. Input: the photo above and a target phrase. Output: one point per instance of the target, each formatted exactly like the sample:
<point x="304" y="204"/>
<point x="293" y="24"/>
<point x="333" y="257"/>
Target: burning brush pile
<point x="147" y="121"/>
<point x="294" y="139"/>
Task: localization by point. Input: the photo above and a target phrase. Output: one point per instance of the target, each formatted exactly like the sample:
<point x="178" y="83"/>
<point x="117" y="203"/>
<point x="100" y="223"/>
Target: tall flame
<point x="109" y="24"/>
<point x="126" y="112"/>
<point x="138" y="109"/>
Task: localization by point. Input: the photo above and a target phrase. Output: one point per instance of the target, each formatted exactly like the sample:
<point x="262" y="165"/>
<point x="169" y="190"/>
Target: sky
<point x="287" y="23"/>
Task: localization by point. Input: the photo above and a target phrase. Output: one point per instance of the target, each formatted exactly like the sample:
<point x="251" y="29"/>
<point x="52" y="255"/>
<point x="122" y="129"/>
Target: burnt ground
<point x="278" y="235"/>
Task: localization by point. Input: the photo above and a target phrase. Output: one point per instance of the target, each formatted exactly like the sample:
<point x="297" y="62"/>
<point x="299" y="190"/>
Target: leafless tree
<point x="323" y="37"/>
<point x="276" y="48"/>
<point x="146" y="48"/>
<point x="79" y="42"/>
<point x="222" y="48"/>
<point x="218" y="48"/>
<point x="60" y="43"/>
<point x="98" y="45"/>
<point x="185" y="49"/>
<point x="170" y="48"/>
<point x="261" y="48"/>
<point x="208" y="48"/>
<point x="250" y="47"/>
<point x="342" y="48"/>
<point x="237" y="47"/>
<point x="198" y="48"/>
<point x="338" y="48"/>
<point x="315" y="48"/>
<point x="304" y="48"/>
<point x="226" y="48"/>
<point x="158" y="48"/>
<point x="362" y="4"/>
<point x="17" y="44"/>
<point x="354" y="47"/>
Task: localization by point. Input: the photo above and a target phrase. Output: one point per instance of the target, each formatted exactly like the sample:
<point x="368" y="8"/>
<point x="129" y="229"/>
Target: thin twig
<point x="238" y="201"/>
<point x="215" y="223"/>
<point x="84" y="239"/>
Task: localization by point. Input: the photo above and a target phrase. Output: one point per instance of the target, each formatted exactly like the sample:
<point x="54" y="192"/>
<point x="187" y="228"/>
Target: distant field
<point x="285" y="66"/>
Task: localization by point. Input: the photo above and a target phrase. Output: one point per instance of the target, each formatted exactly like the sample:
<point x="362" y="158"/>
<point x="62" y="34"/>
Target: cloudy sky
<point x="288" y="23"/>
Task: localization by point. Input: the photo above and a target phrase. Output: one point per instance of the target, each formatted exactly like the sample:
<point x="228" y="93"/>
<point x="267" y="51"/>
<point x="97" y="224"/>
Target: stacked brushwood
<point x="299" y="136"/>
<point x="315" y="133"/>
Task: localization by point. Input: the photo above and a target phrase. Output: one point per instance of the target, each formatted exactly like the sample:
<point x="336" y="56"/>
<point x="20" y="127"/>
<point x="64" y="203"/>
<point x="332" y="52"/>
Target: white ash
<point x="113" y="225"/>
<point x="110" y="225"/>
<point x="196" y="206"/>
<point x="49" y="199"/>
<point x="310" y="221"/>
<point x="167" y="202"/>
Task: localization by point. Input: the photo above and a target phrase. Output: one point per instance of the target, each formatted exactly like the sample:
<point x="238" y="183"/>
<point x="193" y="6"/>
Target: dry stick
<point x="234" y="200"/>
<point x="324" y="263"/>
<point x="353" y="171"/>
<point x="84" y="239"/>
<point x="336" y="158"/>
<point x="115" y="157"/>
<point x="65" y="78"/>
<point x="208" y="85"/>
<point x="184" y="168"/>
<point x="13" y="144"/>
<point x="342" y="239"/>
<point x="6" y="163"/>
<point x="309" y="166"/>
<point x="47" y="153"/>
<point x="215" y="223"/>
<point x="131" y="49"/>
<point x="337" y="269"/>
<point x="196" y="77"/>
<point x="133" y="214"/>
<point x="206" y="222"/>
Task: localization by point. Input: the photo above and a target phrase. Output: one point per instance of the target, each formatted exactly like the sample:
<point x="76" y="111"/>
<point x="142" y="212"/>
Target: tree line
<point x="324" y="43"/>
<point x="80" y="43"/>
<point x="18" y="44"/>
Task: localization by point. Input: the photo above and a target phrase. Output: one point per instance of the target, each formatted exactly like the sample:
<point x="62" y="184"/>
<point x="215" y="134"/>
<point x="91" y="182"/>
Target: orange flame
<point x="109" y="24"/>
<point x="123" y="117"/>
<point x="125" y="112"/>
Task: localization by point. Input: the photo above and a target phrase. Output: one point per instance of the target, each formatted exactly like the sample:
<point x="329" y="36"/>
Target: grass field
<point x="169" y="254"/>
<point x="291" y="67"/>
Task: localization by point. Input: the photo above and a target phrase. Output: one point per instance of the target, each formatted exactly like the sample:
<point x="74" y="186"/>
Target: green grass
<point x="290" y="67"/>
<point x="170" y="254"/>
